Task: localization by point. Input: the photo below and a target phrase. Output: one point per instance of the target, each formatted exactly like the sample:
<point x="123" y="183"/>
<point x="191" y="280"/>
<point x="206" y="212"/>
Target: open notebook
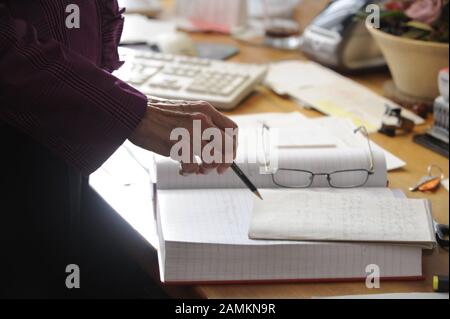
<point x="302" y="215"/>
<point x="204" y="226"/>
<point x="204" y="238"/>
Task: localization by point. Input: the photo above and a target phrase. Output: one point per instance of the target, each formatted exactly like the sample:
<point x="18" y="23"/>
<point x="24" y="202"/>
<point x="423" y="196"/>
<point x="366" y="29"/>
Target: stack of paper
<point x="149" y="8"/>
<point x="204" y="221"/>
<point x="211" y="15"/>
<point x="331" y="93"/>
<point x="139" y="29"/>
<point x="204" y="238"/>
<point x="297" y="132"/>
<point x="318" y="233"/>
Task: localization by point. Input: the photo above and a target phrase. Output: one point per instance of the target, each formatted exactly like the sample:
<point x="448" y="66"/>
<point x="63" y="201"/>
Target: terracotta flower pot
<point x="414" y="64"/>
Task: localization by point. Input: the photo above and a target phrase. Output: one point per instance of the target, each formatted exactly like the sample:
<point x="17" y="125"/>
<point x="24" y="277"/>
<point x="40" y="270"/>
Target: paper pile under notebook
<point x="211" y="229"/>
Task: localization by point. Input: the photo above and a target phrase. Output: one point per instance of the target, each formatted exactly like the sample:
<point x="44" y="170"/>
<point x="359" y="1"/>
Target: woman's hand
<point x="163" y="116"/>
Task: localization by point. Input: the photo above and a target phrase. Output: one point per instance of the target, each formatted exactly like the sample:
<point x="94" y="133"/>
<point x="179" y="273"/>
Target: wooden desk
<point x="418" y="159"/>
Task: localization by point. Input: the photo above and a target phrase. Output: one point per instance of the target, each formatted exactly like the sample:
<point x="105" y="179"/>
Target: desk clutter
<point x="211" y="229"/>
<point x="226" y="84"/>
<point x="328" y="212"/>
<point x="437" y="139"/>
<point x="331" y="93"/>
<point x="204" y="237"/>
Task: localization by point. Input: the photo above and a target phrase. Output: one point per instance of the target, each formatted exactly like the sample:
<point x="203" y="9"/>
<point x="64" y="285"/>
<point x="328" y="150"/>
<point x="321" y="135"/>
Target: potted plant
<point x="413" y="36"/>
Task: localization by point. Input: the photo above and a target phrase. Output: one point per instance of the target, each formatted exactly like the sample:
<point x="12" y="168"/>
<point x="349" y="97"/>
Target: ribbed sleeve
<point x="61" y="99"/>
<point x="112" y="27"/>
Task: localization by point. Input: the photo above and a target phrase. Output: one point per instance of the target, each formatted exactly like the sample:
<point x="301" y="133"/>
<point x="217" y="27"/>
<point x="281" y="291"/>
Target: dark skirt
<point x="49" y="219"/>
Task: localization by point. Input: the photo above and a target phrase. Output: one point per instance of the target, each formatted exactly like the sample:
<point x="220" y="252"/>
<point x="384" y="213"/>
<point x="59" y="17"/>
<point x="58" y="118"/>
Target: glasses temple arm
<point x="265" y="128"/>
<point x="363" y="131"/>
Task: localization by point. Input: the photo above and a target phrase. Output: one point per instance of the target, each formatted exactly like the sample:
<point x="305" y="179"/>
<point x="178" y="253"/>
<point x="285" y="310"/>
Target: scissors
<point x="430" y="182"/>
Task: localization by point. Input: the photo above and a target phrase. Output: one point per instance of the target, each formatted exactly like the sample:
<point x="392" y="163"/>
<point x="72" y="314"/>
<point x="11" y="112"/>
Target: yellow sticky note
<point x="330" y="108"/>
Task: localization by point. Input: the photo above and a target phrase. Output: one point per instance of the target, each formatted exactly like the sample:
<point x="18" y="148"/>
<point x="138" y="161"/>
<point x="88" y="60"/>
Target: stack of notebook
<point x="212" y="229"/>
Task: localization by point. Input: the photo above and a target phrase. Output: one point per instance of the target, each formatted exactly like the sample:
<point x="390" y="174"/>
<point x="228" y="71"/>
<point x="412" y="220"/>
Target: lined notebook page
<point x="293" y="215"/>
<point x="315" y="160"/>
<point x="222" y="216"/>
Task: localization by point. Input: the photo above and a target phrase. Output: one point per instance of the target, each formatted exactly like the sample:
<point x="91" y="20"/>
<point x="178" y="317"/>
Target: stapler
<point x="338" y="39"/>
<point x="437" y="139"/>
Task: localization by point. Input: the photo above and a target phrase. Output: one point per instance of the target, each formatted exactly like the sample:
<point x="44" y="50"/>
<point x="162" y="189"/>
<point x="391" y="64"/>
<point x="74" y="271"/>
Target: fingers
<point x="193" y="167"/>
<point x="227" y="158"/>
<point x="154" y="131"/>
<point x="216" y="148"/>
<point x="228" y="126"/>
<point x="189" y="169"/>
<point x="206" y="108"/>
<point x="229" y="130"/>
<point x="177" y="106"/>
<point x="225" y="145"/>
<point x="211" y="150"/>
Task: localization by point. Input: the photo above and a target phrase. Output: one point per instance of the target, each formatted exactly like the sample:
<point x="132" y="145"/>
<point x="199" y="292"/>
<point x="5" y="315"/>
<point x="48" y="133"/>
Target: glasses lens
<point x="349" y="179"/>
<point x="293" y="179"/>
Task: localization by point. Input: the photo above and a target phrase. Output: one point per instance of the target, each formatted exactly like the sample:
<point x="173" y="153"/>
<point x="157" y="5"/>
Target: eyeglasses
<point x="344" y="179"/>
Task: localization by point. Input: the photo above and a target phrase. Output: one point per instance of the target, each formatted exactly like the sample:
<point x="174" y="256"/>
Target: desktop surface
<point x="417" y="157"/>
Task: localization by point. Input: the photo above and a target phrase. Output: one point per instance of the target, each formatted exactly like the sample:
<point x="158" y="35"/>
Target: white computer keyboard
<point x="223" y="84"/>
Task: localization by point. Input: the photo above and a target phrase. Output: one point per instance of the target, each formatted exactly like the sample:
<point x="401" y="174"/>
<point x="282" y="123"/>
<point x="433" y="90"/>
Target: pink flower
<point x="395" y="5"/>
<point x="426" y="11"/>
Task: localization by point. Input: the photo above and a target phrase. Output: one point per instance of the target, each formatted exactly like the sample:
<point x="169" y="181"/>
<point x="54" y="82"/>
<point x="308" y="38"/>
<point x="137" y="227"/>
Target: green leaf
<point x="416" y="34"/>
<point x="419" y="25"/>
<point x="396" y="14"/>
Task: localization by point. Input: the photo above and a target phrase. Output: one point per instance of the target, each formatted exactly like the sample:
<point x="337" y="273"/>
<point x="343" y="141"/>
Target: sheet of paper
<point x="124" y="169"/>
<point x="139" y="29"/>
<point x="211" y="15"/>
<point x="275" y="120"/>
<point x="150" y="8"/>
<point x="193" y="215"/>
<point x="279" y="9"/>
<point x="324" y="131"/>
<point x="201" y="211"/>
<point x="293" y="215"/>
<point x="126" y="187"/>
<point x="293" y="129"/>
<point x="331" y="93"/>
<point x="343" y="130"/>
<point x="305" y="137"/>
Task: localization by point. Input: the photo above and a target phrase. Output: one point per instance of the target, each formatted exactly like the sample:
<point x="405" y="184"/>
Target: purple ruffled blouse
<point x="55" y="81"/>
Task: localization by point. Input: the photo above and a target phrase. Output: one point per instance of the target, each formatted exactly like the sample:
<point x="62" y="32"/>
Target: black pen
<point x="246" y="180"/>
